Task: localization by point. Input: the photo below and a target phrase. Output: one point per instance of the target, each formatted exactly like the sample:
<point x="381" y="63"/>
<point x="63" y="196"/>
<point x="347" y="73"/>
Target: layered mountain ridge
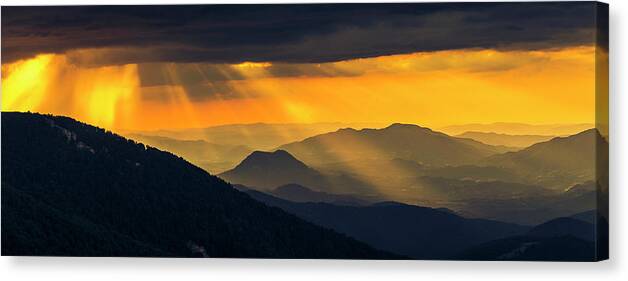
<point x="72" y="189"/>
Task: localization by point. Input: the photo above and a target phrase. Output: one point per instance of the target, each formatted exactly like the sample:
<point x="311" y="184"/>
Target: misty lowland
<point x="328" y="190"/>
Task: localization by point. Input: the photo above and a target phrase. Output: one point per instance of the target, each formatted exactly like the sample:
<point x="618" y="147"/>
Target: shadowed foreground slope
<point x="418" y="232"/>
<point x="72" y="189"/>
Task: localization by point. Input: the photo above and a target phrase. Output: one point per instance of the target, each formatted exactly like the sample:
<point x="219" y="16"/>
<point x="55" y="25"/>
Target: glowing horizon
<point x="432" y="89"/>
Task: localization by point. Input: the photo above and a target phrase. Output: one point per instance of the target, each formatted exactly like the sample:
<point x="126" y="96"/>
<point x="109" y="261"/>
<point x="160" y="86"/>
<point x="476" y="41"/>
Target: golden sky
<point x="431" y="89"/>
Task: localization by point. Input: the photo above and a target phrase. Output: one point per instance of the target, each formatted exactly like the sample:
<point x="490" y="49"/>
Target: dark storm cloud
<point x="202" y="80"/>
<point x="288" y="33"/>
<point x="155" y="74"/>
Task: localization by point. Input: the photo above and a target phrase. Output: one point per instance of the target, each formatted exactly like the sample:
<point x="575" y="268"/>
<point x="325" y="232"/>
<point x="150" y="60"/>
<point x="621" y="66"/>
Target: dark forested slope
<point x="73" y="189"/>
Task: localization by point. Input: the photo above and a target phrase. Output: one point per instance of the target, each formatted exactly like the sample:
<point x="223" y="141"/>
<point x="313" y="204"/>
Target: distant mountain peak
<point x="404" y="126"/>
<point x="391" y="127"/>
<point x="507" y="140"/>
<point x="279" y="155"/>
<point x="518" y="128"/>
<point x="347" y="130"/>
<point x="406" y="141"/>
<point x="271" y="160"/>
<point x="409" y="127"/>
<point x="292" y="187"/>
<point x="563" y="161"/>
<point x="586" y="138"/>
<point x="271" y="169"/>
<point x="592" y="131"/>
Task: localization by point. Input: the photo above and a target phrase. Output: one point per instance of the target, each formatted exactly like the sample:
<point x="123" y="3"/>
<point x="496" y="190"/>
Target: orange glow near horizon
<point x="432" y="89"/>
<point x="48" y="84"/>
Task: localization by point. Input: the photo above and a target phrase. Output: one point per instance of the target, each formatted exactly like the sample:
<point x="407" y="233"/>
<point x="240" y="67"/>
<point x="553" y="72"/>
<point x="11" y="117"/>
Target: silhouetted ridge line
<point x="121" y="198"/>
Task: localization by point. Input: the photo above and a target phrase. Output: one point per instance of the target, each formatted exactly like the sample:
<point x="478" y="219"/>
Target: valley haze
<point x="438" y="131"/>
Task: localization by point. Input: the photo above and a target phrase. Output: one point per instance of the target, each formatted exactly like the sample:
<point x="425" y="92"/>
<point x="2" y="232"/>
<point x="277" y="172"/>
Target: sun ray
<point x="421" y="88"/>
<point x="24" y="83"/>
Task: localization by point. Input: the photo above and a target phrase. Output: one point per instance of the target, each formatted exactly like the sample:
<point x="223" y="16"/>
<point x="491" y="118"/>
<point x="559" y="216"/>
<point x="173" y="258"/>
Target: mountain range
<point x="214" y="158"/>
<point x="428" y="233"/>
<point x="414" y="231"/>
<point x="257" y="136"/>
<point x="408" y="142"/>
<point x="514" y="141"/>
<point x="72" y="189"/>
<point x="402" y="191"/>
<point x="301" y="194"/>
<point x="560" y="239"/>
<point x="511" y="128"/>
<point x="527" y="186"/>
<point x="269" y="170"/>
<point x="558" y="163"/>
<point x="536" y="209"/>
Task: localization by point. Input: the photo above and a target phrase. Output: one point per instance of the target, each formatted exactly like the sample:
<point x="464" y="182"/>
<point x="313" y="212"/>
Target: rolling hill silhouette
<point x="519" y="129"/>
<point x="414" y="231"/>
<point x="530" y="248"/>
<point x="299" y="193"/>
<point x="560" y="239"/>
<point x="537" y="208"/>
<point x="409" y="142"/>
<point x="209" y="156"/>
<point x="437" y="188"/>
<point x="407" y="181"/>
<point x="269" y="170"/>
<point x="72" y="189"/>
<point x="589" y="216"/>
<point x="394" y="169"/>
<point x="558" y="163"/>
<point x="272" y="169"/>
<point x="258" y="136"/>
<point x="511" y="193"/>
<point x="515" y="141"/>
<point x="564" y="226"/>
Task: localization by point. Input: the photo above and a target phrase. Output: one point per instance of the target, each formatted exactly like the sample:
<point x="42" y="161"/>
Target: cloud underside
<point x="227" y="34"/>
